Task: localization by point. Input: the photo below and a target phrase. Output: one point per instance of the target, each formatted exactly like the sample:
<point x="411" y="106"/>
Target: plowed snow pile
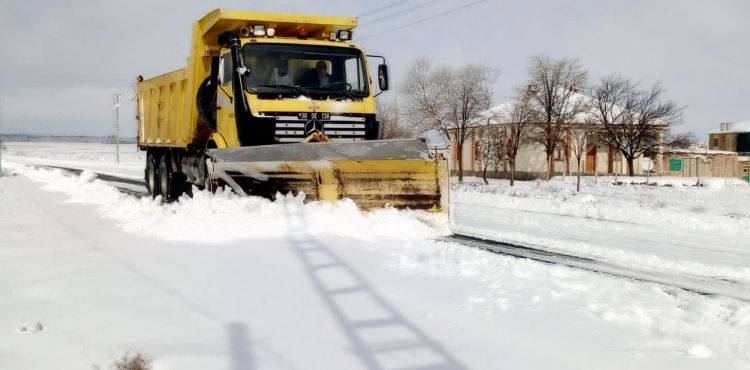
<point x="225" y="216"/>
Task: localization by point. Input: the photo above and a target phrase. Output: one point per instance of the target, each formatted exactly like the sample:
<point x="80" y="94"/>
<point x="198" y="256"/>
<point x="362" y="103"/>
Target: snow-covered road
<point x="217" y="281"/>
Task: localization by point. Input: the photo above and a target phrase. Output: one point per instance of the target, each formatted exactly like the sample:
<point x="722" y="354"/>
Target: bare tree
<point x="554" y="84"/>
<point x="515" y="117"/>
<point x="490" y="146"/>
<point x="632" y="119"/>
<point x="681" y="140"/>
<point x="391" y="123"/>
<point x="452" y="101"/>
<point x="579" y="144"/>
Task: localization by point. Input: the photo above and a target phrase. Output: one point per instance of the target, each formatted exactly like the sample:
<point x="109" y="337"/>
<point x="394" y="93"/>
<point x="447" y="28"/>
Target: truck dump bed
<point x="164" y="111"/>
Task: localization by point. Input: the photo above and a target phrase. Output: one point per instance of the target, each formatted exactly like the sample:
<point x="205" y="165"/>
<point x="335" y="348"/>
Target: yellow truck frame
<point x="204" y="125"/>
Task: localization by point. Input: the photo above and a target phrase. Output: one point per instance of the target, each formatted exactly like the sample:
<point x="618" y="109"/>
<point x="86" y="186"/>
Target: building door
<point x="591" y="160"/>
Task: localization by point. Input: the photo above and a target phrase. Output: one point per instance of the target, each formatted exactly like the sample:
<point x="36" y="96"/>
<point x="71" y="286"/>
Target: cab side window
<point x="354" y="73"/>
<point x="225" y="69"/>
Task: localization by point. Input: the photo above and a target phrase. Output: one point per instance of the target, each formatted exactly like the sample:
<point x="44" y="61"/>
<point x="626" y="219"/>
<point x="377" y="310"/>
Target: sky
<point x="63" y="60"/>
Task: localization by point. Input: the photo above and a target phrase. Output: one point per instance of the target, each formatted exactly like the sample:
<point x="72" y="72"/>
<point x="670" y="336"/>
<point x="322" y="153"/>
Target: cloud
<point x="64" y="59"/>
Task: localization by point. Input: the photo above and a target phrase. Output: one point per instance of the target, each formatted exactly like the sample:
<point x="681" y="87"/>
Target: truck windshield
<point x="282" y="69"/>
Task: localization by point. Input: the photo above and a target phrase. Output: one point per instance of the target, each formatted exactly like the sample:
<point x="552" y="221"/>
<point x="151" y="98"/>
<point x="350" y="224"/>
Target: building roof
<point x="737" y="127"/>
<point x="698" y="150"/>
<point x="583" y="117"/>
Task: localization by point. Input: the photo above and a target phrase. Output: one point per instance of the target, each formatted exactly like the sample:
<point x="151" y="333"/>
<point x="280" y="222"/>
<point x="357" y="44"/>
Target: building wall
<point x="704" y="165"/>
<point x="743" y="169"/>
<point x="531" y="161"/>
<point x="723" y="141"/>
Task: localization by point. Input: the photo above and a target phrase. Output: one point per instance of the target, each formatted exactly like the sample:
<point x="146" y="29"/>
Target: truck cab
<point x="305" y="88"/>
<point x="277" y="82"/>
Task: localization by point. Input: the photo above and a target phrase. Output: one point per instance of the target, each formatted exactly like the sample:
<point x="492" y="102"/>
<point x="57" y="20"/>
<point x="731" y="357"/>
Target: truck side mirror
<point x="383" y="77"/>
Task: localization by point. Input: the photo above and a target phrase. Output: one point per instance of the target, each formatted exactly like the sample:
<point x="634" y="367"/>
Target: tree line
<point x="557" y="97"/>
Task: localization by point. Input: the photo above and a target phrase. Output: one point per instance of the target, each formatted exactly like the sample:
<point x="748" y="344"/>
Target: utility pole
<point x="1" y="141"/>
<point x="116" y="107"/>
<point x="698" y="169"/>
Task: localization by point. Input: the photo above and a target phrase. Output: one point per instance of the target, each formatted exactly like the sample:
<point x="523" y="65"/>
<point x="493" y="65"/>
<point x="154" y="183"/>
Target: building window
<point x="716" y="141"/>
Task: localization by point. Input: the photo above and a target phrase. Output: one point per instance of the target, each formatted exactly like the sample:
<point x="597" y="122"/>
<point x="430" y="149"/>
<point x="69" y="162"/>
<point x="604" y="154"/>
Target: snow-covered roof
<point x="576" y="97"/>
<point x="697" y="150"/>
<point x="743" y="126"/>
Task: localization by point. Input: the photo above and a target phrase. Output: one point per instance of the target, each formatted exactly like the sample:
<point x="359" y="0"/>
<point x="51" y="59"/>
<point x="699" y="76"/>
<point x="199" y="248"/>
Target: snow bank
<point x="684" y="230"/>
<point x="225" y="216"/>
<point x="618" y="256"/>
<point x="96" y="157"/>
<point x="678" y="205"/>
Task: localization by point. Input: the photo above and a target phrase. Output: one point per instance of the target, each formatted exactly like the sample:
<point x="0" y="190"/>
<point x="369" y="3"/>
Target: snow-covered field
<point x="95" y="157"/>
<point x="88" y="274"/>
<point x="683" y="229"/>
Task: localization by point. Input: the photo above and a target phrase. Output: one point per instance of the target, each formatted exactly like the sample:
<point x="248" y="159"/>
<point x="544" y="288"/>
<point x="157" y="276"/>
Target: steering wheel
<point x="345" y="84"/>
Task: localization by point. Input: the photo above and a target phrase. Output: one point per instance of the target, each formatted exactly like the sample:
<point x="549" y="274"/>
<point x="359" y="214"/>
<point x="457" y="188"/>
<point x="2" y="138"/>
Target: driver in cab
<point x="317" y="77"/>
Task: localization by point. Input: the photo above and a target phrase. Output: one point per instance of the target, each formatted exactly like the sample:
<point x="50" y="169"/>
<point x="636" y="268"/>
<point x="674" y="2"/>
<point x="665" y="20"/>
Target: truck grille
<point x="293" y="128"/>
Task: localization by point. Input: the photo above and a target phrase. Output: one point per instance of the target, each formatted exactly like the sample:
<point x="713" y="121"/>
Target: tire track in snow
<point x="699" y="285"/>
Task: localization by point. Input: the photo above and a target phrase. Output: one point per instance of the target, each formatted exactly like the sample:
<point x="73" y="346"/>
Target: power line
<point x="378" y="10"/>
<point x="399" y="13"/>
<point x="423" y="19"/>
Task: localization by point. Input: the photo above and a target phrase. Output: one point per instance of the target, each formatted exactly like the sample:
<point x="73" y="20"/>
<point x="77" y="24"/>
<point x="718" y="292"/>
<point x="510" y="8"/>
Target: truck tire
<point x="151" y="176"/>
<point x="165" y="179"/>
<point x="172" y="184"/>
<point x="206" y="102"/>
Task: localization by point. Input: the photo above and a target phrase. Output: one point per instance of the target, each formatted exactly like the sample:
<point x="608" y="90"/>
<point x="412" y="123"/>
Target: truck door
<point x="225" y="120"/>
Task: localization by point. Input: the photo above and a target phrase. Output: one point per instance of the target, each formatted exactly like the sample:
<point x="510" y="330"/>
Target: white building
<point x="531" y="162"/>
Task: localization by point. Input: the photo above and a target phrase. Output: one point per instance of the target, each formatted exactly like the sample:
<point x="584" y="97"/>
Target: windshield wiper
<point x="296" y="89"/>
<point x="307" y="91"/>
<point x="335" y="92"/>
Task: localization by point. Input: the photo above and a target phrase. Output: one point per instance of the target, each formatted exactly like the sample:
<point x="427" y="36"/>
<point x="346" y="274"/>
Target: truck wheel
<point x="165" y="179"/>
<point x="171" y="184"/>
<point x="152" y="181"/>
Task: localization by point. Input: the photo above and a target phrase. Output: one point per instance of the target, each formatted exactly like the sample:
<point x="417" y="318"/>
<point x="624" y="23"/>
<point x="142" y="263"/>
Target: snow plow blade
<point x="374" y="174"/>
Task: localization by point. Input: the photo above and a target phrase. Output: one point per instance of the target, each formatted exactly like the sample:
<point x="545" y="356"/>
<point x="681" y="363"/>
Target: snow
<point x="226" y="213"/>
<point x="95" y="157"/>
<point x="677" y="228"/>
<point x="699" y="150"/>
<point x="225" y="282"/>
<point x="501" y="111"/>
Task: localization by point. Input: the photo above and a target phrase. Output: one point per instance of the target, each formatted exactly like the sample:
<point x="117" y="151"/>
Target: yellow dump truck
<point x="278" y="103"/>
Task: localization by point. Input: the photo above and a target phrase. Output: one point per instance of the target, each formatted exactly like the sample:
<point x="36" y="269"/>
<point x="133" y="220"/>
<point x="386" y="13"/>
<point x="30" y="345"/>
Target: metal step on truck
<point x="279" y="103"/>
